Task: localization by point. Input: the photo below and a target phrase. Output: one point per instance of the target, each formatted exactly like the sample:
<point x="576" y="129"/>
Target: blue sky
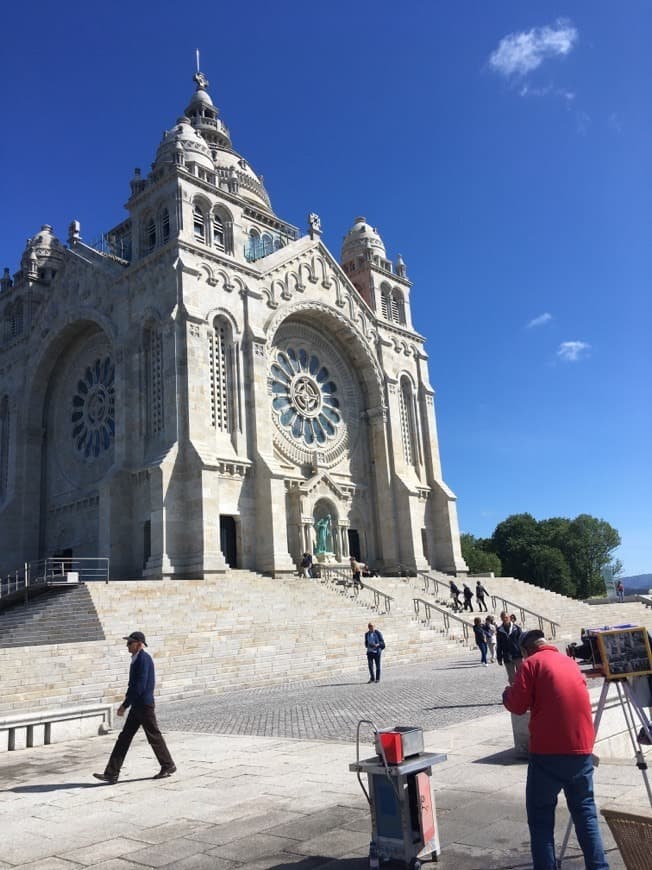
<point x="501" y="147"/>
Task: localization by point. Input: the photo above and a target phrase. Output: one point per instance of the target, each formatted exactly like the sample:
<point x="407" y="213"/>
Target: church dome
<point x="250" y="185"/>
<point x="362" y="237"/>
<point x="183" y="137"/>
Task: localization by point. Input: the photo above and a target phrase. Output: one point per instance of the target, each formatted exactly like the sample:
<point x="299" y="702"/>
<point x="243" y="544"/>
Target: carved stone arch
<point x="292" y="283"/>
<point x="208" y="274"/>
<point x="404" y="374"/>
<point x="237" y="284"/>
<point x="202" y="202"/>
<point x="321" y="271"/>
<point x="278" y="289"/>
<point x="223" y="279"/>
<point x="305" y="274"/>
<point x="220" y="311"/>
<point x="268" y="295"/>
<point x="359" y="349"/>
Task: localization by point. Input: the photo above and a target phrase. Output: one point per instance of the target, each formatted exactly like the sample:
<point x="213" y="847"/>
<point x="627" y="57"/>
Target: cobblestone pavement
<point x="430" y="695"/>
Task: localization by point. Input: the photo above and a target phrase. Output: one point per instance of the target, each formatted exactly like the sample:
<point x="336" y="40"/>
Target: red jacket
<point x="553" y="688"/>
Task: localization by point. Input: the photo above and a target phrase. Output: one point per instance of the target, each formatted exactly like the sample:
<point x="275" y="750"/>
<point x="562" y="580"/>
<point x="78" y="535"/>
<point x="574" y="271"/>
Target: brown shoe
<point x="165" y="771"/>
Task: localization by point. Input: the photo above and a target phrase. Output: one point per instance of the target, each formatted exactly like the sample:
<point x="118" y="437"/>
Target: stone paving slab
<point x="261" y="802"/>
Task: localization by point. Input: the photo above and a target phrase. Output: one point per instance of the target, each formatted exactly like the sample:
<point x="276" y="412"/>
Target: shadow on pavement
<point x="461" y="706"/>
<point x="63" y="786"/>
<point x="505" y="758"/>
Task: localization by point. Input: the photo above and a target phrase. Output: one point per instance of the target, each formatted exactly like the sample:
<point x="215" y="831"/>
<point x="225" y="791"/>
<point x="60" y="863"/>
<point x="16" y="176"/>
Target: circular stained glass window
<point x="93" y="409"/>
<point x="305" y="397"/>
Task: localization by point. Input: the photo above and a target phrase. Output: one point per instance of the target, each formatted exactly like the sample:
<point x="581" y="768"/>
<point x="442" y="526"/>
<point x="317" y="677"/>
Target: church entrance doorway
<point x="354" y="543"/>
<point x="228" y="543"/>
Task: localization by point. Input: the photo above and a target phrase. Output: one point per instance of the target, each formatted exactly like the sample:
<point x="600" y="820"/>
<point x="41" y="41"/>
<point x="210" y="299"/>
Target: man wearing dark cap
<point x="553" y="688"/>
<point x="140" y="702"/>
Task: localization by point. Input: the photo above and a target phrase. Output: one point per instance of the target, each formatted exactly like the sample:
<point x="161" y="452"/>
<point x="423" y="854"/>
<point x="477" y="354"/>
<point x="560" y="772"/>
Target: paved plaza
<point x="263" y="781"/>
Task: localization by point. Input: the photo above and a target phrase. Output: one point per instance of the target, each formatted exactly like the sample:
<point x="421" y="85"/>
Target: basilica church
<point x="210" y="388"/>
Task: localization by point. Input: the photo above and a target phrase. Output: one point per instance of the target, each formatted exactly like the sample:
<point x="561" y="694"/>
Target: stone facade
<point x="212" y="388"/>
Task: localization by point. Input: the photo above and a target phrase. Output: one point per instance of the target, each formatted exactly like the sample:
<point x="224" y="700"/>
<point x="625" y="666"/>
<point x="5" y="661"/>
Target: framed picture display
<point x="625" y="652"/>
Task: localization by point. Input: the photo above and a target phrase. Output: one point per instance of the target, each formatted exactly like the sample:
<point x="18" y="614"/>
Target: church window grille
<point x="153" y="381"/>
<point x="218" y="232"/>
<point x="198" y="224"/>
<point x="398" y="308"/>
<point x="385" y="305"/>
<point x="165" y="226"/>
<point x="4" y="447"/>
<point x="268" y="244"/>
<point x="407" y="419"/>
<point x="92" y="416"/>
<point x="219" y="376"/>
<point x="150" y="236"/>
<point x="17" y="318"/>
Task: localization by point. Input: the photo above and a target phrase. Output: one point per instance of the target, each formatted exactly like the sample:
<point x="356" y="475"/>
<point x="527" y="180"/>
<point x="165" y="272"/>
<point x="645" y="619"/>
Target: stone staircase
<point x="571" y="615"/>
<point x="237" y="631"/>
<point x="241" y="630"/>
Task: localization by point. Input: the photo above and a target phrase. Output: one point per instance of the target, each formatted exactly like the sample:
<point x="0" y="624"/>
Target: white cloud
<point x="520" y="53"/>
<point x="571" y="351"/>
<point x="548" y="91"/>
<point x="541" y="320"/>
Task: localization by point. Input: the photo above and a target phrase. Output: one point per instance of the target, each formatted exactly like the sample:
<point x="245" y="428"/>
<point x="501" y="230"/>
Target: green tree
<point x="588" y="550"/>
<point x="479" y="559"/>
<point x="512" y="540"/>
<point x="547" y="567"/>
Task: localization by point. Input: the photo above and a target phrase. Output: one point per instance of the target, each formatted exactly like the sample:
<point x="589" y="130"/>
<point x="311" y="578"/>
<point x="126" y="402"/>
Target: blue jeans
<point x="373" y="659"/>
<point x="483" y="652"/>
<point x="547" y="775"/>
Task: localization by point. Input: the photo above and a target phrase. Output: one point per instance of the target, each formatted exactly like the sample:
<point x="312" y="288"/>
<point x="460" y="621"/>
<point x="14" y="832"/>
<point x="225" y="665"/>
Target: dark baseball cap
<point x="137" y="635"/>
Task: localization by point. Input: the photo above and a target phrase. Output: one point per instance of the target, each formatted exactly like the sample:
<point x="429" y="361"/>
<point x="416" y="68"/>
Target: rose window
<point x="304" y="397"/>
<point x="93" y="411"/>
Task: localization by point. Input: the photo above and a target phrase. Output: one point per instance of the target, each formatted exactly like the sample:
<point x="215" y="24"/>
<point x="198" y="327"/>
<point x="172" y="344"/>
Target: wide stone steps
<point x="205" y="636"/>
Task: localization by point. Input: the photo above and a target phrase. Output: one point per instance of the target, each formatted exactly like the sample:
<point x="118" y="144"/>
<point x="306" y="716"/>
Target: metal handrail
<point x="428" y="607"/>
<point x="378" y="594"/>
<point x="52" y="572"/>
<point x="427" y="580"/>
<point x="342" y="577"/>
<point x="541" y="620"/>
<point x="506" y="603"/>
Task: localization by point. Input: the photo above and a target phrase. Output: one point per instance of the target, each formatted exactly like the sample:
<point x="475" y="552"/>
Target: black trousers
<point x="136" y="717"/>
<point x="481" y="603"/>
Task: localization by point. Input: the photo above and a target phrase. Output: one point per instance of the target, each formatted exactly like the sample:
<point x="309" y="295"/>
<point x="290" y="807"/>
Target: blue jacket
<point x="381" y="641"/>
<point x="507" y="644"/>
<point x="140" y="691"/>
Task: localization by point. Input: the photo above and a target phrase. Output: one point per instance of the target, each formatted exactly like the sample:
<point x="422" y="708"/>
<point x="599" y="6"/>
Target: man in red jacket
<point x="552" y="687"/>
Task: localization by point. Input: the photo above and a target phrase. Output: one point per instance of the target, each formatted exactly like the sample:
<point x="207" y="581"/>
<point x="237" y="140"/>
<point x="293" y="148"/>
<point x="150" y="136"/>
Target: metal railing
<point x="428" y="607"/>
<point x="541" y="621"/>
<point x="54" y="572"/>
<point x="342" y="577"/>
<point x="524" y="613"/>
<point x="436" y="583"/>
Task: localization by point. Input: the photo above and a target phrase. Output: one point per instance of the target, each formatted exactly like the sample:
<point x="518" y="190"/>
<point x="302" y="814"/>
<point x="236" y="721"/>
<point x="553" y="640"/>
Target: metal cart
<point x="403" y="816"/>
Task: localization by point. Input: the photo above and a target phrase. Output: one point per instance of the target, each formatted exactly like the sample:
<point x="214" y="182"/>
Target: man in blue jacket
<point x="374" y="644"/>
<point x="140" y="702"/>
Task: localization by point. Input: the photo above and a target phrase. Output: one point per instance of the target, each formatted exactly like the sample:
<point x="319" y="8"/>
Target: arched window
<point x="4" y="447"/>
<point x="268" y="244"/>
<point x="17" y="318"/>
<point x="149" y="236"/>
<point x="218" y="232"/>
<point x="408" y="423"/>
<point x="198" y="224"/>
<point x="220" y="368"/>
<point x="398" y="307"/>
<point x="153" y="365"/>
<point x="164" y="222"/>
<point x="385" y="304"/>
